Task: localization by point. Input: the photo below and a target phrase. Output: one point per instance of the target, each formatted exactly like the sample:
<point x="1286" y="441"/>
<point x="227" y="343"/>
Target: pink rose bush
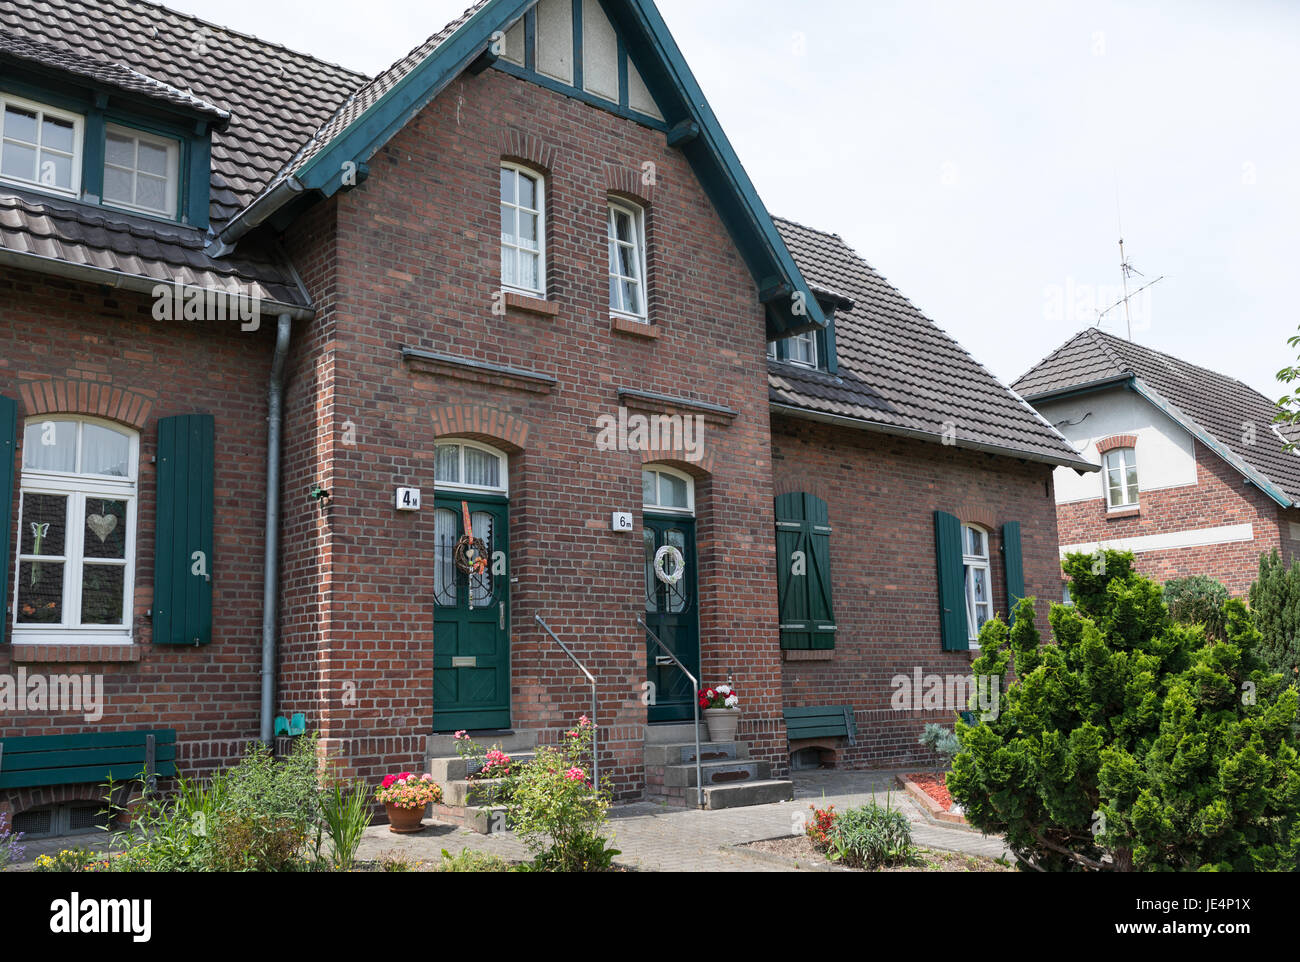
<point x="408" y="790"/>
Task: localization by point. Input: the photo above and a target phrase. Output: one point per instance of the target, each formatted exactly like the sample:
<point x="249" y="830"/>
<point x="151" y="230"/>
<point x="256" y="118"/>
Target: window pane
<point x="481" y="587"/>
<point x="447" y="464"/>
<point x="104" y="451"/>
<point x="20" y="124"/>
<point x="444" y="568"/>
<point x="151" y="192"/>
<point x="651" y="582"/>
<point x="507" y="186"/>
<point x="1132" y="483"/>
<point x="17" y="160"/>
<point x="44" y="524"/>
<point x="627" y="262"/>
<point x="528" y="233"/>
<point x="482" y="469"/>
<point x="118" y="185"/>
<point x="101" y="594"/>
<point x="508" y="224"/>
<point x="40" y="593"/>
<point x="649" y="488"/>
<point x="105" y="532"/>
<point x="119" y="150"/>
<point x="623" y="226"/>
<point x="615" y="294"/>
<point x="152" y="159"/>
<point x="57" y="134"/>
<point x="529" y="271"/>
<point x="50" y="446"/>
<point x="980" y="584"/>
<point x="672" y="491"/>
<point x="508" y="266"/>
<point x="56" y="170"/>
<point x="675" y="595"/>
<point x="632" y="297"/>
<point x="527" y="192"/>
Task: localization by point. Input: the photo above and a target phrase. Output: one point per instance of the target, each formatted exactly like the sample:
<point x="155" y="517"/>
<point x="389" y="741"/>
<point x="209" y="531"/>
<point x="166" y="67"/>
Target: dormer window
<point x="801" y="350"/>
<point x="141" y="171"/>
<point x="40" y="146"/>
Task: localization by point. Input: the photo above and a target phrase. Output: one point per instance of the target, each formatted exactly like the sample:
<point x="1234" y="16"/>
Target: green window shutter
<point x="183" y="563"/>
<point x="952" y="582"/>
<point x="1013" y="559"/>
<point x="8" y="456"/>
<point x="803" y="552"/>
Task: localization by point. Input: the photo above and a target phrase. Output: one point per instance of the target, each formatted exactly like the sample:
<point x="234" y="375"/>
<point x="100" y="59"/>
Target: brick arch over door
<point x="630" y="183"/>
<point x="701" y="469"/>
<point x="480" y="422"/>
<point x="75" y="396"/>
<point x="984" y="517"/>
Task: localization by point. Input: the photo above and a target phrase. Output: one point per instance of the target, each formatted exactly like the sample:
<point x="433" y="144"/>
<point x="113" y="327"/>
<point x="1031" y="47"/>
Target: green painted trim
<point x="22" y="744"/>
<point x="577" y="44"/>
<point x="1013" y="560"/>
<point x="8" y="463"/>
<point x="1210" y="441"/>
<point x="514" y="70"/>
<point x="953" y="629"/>
<point x="1092" y="387"/>
<point x="184" y="140"/>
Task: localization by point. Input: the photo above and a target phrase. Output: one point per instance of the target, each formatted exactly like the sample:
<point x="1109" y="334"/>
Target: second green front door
<point x="672" y="613"/>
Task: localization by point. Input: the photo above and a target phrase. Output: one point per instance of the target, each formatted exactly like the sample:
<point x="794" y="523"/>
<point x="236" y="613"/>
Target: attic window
<point x="40" y="146"/>
<point x="141" y="171"/>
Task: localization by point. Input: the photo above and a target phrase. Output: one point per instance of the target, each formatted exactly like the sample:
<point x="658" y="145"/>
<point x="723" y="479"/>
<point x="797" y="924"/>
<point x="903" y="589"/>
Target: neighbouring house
<point x="361" y="405"/>
<point x="1195" y="477"/>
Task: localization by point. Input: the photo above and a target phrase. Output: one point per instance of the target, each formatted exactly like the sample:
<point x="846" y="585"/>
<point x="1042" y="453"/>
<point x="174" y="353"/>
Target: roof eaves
<point x="1084" y="387"/>
<point x="1213" y="443"/>
<point x="1077" y="464"/>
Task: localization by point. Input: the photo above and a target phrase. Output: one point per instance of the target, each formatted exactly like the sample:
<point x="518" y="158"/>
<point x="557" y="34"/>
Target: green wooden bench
<point x="85" y="757"/>
<point x="823" y="721"/>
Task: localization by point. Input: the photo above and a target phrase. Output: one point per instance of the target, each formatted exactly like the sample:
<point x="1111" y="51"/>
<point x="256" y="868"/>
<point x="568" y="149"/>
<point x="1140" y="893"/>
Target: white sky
<point x="976" y="153"/>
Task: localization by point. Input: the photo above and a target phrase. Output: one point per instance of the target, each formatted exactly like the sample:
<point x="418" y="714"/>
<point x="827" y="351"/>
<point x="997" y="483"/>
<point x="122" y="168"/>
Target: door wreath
<point x="470" y="553"/>
<point x="669" y="578"/>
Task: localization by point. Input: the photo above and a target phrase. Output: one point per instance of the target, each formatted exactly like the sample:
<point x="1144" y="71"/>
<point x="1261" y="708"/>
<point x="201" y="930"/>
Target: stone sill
<point x="626" y="325"/>
<point x="1123" y="513"/>
<point x="75" y="654"/>
<point x="531" y="305"/>
<point x="807" y="654"/>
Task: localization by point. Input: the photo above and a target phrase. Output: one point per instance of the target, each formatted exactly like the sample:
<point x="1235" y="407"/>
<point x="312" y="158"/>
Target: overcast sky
<point x="981" y="155"/>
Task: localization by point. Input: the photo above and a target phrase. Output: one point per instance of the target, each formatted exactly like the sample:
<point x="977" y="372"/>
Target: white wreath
<point x="679" y="565"/>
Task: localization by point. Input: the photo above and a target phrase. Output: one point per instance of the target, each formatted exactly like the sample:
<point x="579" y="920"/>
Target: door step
<point x="474" y="803"/>
<point x="748" y="793"/>
<point x="731" y="778"/>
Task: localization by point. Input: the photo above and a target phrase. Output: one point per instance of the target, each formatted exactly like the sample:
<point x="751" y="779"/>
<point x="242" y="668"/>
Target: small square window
<point x="40" y="146"/>
<point x="141" y="171"/>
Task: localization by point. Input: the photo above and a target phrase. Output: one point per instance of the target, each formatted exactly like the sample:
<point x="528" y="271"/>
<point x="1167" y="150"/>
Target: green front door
<point x="471" y="624"/>
<point x="673" y="614"/>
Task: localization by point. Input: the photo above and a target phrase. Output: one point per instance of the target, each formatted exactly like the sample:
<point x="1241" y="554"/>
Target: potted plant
<point x="721" y="707"/>
<point x="405" y="797"/>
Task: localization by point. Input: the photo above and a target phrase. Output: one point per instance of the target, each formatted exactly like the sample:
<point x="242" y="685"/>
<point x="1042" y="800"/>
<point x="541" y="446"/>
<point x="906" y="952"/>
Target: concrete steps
<point x="474" y="803"/>
<point x="731" y="779"/>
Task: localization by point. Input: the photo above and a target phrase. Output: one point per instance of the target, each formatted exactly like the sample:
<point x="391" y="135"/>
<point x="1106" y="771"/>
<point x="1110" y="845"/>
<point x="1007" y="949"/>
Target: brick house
<point x="349" y="398"/>
<point x="1195" y="478"/>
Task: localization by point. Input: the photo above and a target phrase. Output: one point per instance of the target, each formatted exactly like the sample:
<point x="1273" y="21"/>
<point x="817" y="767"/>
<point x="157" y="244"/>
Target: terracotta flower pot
<point x="722" y="723"/>
<point x="405" y="821"/>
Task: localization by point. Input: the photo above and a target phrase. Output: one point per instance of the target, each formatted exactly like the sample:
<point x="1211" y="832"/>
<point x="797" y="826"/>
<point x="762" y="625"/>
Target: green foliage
<point x="942" y="741"/>
<point x="345" y="816"/>
<point x="1275" y="606"/>
<point x="1133" y="742"/>
<point x="469" y="860"/>
<point x="77" y="859"/>
<point x="870" y="836"/>
<point x="555" y="810"/>
<point x="1197" y="600"/>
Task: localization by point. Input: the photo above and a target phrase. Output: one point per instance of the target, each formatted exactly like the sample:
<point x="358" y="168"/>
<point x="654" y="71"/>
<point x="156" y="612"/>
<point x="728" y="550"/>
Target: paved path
<point x="661" y="838"/>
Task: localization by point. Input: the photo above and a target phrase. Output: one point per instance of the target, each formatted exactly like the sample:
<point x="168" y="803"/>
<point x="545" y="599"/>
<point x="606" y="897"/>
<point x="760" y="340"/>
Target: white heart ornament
<point x="102" y="524"/>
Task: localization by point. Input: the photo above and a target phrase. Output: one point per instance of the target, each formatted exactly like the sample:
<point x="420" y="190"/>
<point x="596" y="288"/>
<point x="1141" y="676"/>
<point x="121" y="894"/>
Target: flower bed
<point x="930" y="791"/>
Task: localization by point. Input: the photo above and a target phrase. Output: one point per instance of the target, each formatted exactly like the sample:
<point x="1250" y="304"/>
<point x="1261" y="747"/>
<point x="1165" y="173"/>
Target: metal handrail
<point x="695" y="700"/>
<point x="595" y="731"/>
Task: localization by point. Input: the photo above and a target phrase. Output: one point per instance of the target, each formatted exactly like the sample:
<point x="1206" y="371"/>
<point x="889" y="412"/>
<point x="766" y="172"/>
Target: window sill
<point x="1114" y="514"/>
<point x="634" y="328"/>
<point x="531" y="304"/>
<point x="807" y="654"/>
<point x="74" y="654"/>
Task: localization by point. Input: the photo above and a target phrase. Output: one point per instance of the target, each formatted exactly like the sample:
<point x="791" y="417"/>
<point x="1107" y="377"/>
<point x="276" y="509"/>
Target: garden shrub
<point x="819" y="827"/>
<point x="10" y="850"/>
<point x="942" y="741"/>
<point x="1275" y="606"/>
<point x="555" y="810"/>
<point x="1197" y="600"/>
<point x="1134" y="742"/>
<point x="345" y="816"/>
<point x="469" y="860"/>
<point x="871" y="836"/>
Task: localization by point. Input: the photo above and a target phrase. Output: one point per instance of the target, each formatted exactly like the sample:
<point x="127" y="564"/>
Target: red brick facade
<point x="1220" y="497"/>
<point x="882" y="493"/>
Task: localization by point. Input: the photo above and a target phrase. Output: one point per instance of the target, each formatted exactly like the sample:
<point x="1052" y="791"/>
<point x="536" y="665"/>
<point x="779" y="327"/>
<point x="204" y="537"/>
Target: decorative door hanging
<point x="470" y="554"/>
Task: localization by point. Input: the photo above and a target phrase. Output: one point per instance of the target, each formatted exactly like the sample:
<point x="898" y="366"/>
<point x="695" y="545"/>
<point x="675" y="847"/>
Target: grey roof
<point x="105" y="72"/>
<point x="270" y="100"/>
<point x="1225" y="413"/>
<point x="898" y="372"/>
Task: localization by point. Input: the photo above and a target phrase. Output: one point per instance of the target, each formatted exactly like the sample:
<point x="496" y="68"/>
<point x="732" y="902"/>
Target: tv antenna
<point x="1128" y="272"/>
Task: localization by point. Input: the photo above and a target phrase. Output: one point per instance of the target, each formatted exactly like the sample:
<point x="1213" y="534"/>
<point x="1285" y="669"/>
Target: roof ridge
<point x="1119" y="362"/>
<point x="1196" y="367"/>
<point x="193" y="18"/>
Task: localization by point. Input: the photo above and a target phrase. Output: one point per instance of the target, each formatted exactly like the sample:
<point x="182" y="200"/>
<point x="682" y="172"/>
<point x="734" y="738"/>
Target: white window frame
<point x="173" y="148"/>
<point x="808" y="339"/>
<point x="503" y="472"/>
<point x="78" y="135"/>
<point x="656" y="508"/>
<point x="974" y="562"/>
<point x="540" y="211"/>
<point x="1127" y="458"/>
<point x="637" y="214"/>
<point x="78" y="488"/>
